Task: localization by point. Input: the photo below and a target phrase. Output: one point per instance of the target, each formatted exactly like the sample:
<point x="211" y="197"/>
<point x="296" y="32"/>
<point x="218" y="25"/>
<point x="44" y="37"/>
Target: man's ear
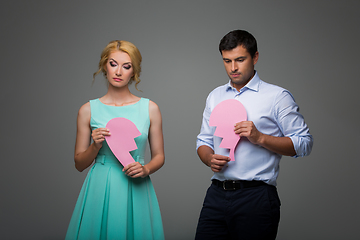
<point x="256" y="57"/>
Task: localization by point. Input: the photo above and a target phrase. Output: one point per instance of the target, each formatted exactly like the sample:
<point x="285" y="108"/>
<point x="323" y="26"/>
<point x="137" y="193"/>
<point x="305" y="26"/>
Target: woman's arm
<point x="84" y="152"/>
<point x="156" y="142"/>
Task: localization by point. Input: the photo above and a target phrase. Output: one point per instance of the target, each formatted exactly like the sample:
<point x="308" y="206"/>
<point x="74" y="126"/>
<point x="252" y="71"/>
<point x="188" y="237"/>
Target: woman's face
<point x="119" y="69"/>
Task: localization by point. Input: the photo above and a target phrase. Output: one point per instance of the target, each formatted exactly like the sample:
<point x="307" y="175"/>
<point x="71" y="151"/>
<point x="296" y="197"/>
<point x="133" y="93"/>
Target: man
<point x="242" y="201"/>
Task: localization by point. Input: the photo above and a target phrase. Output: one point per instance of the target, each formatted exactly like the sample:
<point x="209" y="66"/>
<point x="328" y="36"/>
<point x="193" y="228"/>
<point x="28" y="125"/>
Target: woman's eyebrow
<point x="113" y="60"/>
<point x="118" y="63"/>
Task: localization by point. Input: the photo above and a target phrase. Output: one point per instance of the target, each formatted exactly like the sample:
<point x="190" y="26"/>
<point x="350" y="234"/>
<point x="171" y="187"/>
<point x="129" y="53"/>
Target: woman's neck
<point x="119" y="97"/>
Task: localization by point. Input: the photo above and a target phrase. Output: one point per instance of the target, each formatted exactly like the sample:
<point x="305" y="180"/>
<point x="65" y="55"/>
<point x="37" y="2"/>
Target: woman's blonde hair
<point x="126" y="47"/>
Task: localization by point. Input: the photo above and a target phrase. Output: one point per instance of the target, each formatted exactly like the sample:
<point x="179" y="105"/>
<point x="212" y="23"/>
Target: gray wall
<point x="49" y="50"/>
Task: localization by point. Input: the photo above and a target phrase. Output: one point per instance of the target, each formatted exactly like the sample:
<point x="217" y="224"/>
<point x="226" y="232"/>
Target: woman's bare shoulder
<point x="84" y="111"/>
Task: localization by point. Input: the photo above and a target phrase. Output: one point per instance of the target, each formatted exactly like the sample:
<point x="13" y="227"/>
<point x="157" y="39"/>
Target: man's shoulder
<point x="271" y="87"/>
<point x="272" y="91"/>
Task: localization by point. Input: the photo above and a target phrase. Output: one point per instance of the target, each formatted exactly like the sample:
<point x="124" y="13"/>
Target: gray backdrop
<point x="49" y="50"/>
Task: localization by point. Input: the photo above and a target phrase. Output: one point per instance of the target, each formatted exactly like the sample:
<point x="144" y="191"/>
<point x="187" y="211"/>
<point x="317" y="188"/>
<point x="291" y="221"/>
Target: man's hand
<point x="215" y="161"/>
<point x="218" y="162"/>
<point x="247" y="129"/>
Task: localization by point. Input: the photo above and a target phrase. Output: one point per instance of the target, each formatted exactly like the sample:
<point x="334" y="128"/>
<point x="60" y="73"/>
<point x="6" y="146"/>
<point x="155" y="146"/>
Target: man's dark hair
<point x="236" y="38"/>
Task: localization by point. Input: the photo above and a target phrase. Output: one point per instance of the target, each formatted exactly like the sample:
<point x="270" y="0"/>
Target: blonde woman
<point x="117" y="202"/>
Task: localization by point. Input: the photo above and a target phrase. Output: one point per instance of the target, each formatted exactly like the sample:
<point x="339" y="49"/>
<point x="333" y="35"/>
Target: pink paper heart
<point x="224" y="116"/>
<point x="121" y="141"/>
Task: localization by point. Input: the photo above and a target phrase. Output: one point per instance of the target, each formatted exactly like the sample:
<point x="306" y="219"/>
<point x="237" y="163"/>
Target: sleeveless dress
<point x="112" y="205"/>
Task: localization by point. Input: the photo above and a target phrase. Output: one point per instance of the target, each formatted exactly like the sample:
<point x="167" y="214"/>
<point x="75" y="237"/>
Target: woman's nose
<point x="118" y="71"/>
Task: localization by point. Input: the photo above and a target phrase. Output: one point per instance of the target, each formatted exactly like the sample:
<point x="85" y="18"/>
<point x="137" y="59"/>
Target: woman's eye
<point x="127" y="67"/>
<point x="112" y="64"/>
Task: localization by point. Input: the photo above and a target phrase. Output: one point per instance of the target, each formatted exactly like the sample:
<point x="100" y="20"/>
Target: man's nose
<point x="234" y="66"/>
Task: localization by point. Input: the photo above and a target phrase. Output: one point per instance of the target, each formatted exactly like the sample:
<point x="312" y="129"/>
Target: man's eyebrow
<point x="238" y="58"/>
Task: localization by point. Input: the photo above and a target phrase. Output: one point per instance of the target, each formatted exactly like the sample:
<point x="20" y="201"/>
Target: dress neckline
<point x="119" y="106"/>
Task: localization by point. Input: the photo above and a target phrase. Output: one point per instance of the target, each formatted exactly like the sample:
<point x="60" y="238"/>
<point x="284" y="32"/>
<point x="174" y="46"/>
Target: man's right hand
<point x="215" y="161"/>
<point x="218" y="162"/>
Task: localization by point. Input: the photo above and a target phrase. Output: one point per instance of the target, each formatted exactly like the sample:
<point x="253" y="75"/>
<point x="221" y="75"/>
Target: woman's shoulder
<point x="84" y="109"/>
<point x="154" y="110"/>
<point x="152" y="104"/>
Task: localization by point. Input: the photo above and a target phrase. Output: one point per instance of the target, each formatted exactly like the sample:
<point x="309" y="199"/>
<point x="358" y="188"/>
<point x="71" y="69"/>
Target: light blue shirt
<point x="274" y="112"/>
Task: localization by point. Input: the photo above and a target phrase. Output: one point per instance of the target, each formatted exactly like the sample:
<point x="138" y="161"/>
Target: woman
<point x="117" y="202"/>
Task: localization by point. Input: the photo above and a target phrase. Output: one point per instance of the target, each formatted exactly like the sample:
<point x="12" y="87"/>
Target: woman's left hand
<point x="136" y="170"/>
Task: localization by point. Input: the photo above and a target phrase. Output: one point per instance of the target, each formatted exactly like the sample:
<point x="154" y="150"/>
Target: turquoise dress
<point x="112" y="205"/>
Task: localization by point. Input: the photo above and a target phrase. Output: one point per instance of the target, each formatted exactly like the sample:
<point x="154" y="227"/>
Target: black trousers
<point x="244" y="214"/>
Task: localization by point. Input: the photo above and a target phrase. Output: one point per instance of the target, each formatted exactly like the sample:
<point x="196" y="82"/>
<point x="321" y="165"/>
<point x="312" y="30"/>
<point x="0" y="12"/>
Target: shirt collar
<point x="253" y="84"/>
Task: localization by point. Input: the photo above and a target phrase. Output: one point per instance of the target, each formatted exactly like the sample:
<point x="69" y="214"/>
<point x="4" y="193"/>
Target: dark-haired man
<point x="242" y="201"/>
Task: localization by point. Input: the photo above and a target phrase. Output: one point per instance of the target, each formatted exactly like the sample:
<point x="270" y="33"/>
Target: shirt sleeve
<point x="206" y="134"/>
<point x="292" y="123"/>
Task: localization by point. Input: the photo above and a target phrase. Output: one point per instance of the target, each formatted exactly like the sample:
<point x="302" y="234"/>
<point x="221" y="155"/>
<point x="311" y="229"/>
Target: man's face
<point x="239" y="65"/>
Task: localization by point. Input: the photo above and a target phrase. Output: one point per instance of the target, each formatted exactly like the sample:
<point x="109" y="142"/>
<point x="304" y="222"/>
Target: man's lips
<point x="235" y="74"/>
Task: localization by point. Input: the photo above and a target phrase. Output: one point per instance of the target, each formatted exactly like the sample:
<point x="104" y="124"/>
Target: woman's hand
<point x="136" y="170"/>
<point x="98" y="135"/>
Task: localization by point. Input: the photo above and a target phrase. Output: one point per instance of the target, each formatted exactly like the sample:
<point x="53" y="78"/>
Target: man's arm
<point x="296" y="140"/>
<point x="279" y="145"/>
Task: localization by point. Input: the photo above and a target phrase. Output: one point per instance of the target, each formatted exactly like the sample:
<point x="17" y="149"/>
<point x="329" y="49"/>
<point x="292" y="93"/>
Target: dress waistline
<point x="111" y="159"/>
<point x="108" y="159"/>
